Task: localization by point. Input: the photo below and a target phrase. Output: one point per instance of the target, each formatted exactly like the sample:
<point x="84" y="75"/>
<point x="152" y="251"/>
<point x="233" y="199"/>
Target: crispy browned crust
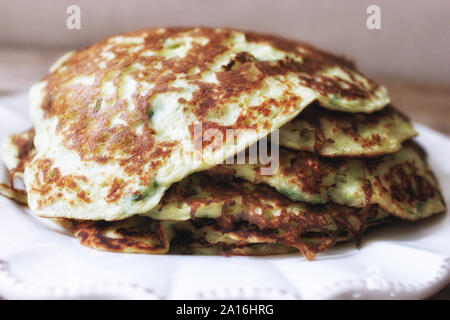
<point x="305" y="169"/>
<point x="407" y="186"/>
<point x="19" y="196"/>
<point x="346" y="123"/>
<point x="398" y="189"/>
<point x="290" y="224"/>
<point x="26" y="151"/>
<point x="136" y="235"/>
<point x="145" y="235"/>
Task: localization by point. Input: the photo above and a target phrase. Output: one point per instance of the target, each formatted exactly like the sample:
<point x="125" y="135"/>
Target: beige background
<point x="410" y="54"/>
<point x="413" y="42"/>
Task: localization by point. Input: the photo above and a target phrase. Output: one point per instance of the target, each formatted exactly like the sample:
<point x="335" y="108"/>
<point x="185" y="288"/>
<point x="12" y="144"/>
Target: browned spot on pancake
<point x="26" y="152"/>
<point x="141" y="235"/>
<point x="343" y="123"/>
<point x="116" y="190"/>
<point x="83" y="196"/>
<point x="49" y="178"/>
<point x="292" y="46"/>
<point x="407" y="186"/>
<point x="240" y="59"/>
<point x="307" y="168"/>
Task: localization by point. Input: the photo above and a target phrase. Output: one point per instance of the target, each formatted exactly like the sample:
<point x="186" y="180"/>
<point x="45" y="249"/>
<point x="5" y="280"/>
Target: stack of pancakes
<point x="154" y="142"/>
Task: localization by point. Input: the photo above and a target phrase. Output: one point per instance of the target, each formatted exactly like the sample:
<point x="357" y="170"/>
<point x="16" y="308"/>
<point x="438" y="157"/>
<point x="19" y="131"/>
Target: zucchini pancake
<point x="156" y="142"/>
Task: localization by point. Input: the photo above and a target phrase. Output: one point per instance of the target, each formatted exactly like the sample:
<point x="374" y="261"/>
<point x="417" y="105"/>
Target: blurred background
<point x="410" y="54"/>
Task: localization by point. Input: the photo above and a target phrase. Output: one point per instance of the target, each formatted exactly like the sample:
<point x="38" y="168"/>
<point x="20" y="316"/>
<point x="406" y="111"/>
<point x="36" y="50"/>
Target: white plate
<point x="403" y="261"/>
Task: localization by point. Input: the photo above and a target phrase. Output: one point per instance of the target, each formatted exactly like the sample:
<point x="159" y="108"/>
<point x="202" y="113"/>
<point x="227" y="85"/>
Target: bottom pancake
<point x="205" y="236"/>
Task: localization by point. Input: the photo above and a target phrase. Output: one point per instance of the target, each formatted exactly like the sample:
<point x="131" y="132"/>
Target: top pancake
<point x="115" y="121"/>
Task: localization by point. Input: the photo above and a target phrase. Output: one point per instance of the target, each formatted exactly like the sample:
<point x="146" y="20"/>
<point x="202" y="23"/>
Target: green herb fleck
<point x="334" y="99"/>
<point x="97" y="105"/>
<point x="420" y="206"/>
<point x="145" y="192"/>
<point x="150" y="113"/>
<point x="289" y="194"/>
<point x="174" y="46"/>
